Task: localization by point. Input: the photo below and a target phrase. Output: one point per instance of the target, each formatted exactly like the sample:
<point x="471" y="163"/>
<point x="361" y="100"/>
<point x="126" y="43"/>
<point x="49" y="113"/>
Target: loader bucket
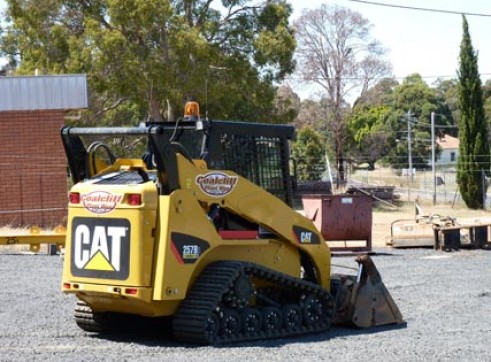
<point x="363" y="300"/>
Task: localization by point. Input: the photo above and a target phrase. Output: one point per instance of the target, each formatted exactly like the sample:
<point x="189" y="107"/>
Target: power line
<point x="420" y="9"/>
<point x="380" y="78"/>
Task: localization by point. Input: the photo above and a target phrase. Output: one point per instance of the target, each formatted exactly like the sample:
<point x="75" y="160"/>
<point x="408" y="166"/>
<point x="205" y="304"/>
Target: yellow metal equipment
<point x="178" y="234"/>
<point x="34" y="237"/>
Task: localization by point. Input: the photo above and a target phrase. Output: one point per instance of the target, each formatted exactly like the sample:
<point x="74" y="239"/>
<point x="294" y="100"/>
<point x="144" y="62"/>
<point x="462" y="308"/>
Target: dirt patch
<point x="383" y="217"/>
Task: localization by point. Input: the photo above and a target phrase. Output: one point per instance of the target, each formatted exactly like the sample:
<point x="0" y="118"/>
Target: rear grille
<point x="123" y="178"/>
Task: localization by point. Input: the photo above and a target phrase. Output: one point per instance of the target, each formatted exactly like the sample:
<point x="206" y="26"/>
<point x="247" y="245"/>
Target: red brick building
<point x="33" y="167"/>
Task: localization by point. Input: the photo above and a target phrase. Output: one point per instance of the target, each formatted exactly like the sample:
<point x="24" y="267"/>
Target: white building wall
<point x="445" y="157"/>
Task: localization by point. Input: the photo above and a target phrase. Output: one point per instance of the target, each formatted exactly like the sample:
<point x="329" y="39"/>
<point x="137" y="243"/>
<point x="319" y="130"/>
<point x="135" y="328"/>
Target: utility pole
<point x="409" y="153"/>
<point x="433" y="173"/>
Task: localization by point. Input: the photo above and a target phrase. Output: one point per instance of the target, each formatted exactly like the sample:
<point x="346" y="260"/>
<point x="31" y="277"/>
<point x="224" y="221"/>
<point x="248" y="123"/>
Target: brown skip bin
<point x="345" y="221"/>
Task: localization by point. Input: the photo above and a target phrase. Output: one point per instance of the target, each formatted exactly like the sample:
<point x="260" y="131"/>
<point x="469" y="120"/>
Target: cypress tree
<point x="474" y="156"/>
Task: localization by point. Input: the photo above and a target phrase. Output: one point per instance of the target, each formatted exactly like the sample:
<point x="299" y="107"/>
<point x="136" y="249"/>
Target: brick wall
<point x="33" y="176"/>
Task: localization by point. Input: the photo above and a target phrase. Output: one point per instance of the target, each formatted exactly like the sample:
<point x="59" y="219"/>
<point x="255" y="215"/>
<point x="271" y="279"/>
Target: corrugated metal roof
<point x="43" y="92"/>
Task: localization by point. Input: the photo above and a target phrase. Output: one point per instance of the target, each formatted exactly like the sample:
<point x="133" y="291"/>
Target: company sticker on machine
<point x="100" y="248"/>
<point x="216" y="184"/>
<point x="100" y="202"/>
<point x="186" y="248"/>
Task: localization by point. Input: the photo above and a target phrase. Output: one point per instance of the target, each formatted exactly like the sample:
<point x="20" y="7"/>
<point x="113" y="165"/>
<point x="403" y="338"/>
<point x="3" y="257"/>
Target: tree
<point x="474" y="157"/>
<point x="487" y="99"/>
<point x="308" y="152"/>
<point x="155" y="53"/>
<point x="378" y="95"/>
<point x="447" y="92"/>
<point x="336" y="52"/>
<point x="412" y="101"/>
<point x="287" y="105"/>
<point x="368" y="134"/>
<point x="310" y="114"/>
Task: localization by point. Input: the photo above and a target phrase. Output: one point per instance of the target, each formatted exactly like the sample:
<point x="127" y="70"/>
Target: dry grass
<point x="391" y="177"/>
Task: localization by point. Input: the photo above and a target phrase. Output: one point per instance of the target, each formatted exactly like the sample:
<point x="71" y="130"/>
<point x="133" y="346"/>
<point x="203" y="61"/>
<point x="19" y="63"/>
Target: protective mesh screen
<point x="258" y="159"/>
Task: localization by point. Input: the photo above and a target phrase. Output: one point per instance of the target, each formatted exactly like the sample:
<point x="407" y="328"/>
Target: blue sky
<point x="418" y="41"/>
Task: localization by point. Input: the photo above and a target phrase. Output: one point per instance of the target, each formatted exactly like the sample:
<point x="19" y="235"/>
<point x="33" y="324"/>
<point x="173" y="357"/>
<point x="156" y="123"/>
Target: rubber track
<point x="206" y="294"/>
<point x="84" y="317"/>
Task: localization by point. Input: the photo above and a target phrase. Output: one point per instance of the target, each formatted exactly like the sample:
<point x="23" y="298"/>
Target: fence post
<point x="444" y="186"/>
<point x="483" y="185"/>
<point x="422" y="186"/>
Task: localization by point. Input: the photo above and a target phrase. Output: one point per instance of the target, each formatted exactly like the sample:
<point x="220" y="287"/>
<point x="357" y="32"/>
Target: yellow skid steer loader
<point x="201" y="229"/>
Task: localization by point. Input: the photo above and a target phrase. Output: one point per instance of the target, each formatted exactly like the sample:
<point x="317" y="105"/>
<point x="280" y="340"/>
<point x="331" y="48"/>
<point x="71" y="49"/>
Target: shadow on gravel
<point x="349" y="254"/>
<point x="333" y="333"/>
<point x="163" y="337"/>
<point x="149" y="338"/>
<point x="336" y="332"/>
<point x="150" y="332"/>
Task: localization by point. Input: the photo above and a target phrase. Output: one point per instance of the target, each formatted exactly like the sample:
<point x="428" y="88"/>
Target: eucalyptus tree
<point x="155" y="53"/>
<point x="308" y="151"/>
<point x="368" y="134"/>
<point x="411" y="105"/>
<point x="287" y="105"/>
<point x="336" y="52"/>
<point x="448" y="105"/>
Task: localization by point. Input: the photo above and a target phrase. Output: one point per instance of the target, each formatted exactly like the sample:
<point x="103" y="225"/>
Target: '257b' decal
<point x="186" y="248"/>
<point x="100" y="248"/>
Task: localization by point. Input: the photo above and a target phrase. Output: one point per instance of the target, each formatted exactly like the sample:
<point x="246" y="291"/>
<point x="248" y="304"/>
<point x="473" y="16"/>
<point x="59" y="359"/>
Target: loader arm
<point x="231" y="192"/>
<point x="361" y="300"/>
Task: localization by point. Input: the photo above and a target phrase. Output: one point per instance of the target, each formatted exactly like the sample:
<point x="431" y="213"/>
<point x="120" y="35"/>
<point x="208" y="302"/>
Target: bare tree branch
<point x="112" y="106"/>
<point x="336" y="52"/>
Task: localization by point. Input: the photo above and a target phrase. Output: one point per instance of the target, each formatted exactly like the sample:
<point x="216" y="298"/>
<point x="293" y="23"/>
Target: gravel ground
<point x="444" y="297"/>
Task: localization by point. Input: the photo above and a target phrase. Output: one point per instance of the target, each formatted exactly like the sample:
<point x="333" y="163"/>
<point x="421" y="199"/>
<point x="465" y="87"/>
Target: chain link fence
<point x="444" y="192"/>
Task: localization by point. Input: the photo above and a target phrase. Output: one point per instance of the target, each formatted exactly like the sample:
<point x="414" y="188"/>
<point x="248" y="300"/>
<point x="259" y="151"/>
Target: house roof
<point x="447" y="142"/>
<point x="21" y="93"/>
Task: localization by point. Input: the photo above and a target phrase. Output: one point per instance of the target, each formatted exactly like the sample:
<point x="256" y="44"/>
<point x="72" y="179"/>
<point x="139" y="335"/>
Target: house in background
<point x="33" y="174"/>
<point x="449" y="147"/>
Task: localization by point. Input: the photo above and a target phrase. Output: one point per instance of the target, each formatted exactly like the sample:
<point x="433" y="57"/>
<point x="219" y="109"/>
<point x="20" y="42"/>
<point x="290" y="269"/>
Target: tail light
<point x="131" y="291"/>
<point x="134" y="199"/>
<point x="74" y="198"/>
